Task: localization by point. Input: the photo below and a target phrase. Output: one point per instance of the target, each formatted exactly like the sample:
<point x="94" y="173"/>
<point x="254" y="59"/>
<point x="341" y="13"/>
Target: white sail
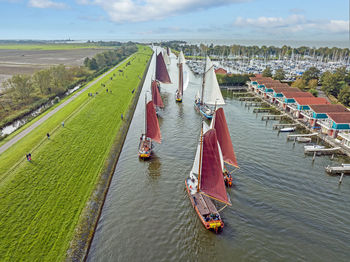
<point x="196" y="159"/>
<point x="187" y="79"/>
<point x="182" y="59"/>
<point x="166" y="58"/>
<point x="221" y="157"/>
<point x="212" y="94"/>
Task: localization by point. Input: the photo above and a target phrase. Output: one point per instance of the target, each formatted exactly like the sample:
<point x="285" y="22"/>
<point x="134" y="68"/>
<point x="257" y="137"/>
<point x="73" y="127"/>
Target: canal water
<point x="284" y="207"/>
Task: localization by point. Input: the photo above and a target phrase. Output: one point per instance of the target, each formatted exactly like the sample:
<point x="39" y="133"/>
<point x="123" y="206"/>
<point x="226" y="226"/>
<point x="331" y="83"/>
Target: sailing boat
<point x="156" y="98"/>
<point x="225" y="143"/>
<point x="210" y="92"/>
<point x="209" y="183"/>
<point x="152" y="131"/>
<point x="162" y="75"/>
<point x="179" y="91"/>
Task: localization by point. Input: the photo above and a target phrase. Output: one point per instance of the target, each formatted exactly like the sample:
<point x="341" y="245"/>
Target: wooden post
<point x="313" y="158"/>
<point x="341" y="178"/>
<point x="295" y="139"/>
<point x="318" y="140"/>
<point x="332" y="156"/>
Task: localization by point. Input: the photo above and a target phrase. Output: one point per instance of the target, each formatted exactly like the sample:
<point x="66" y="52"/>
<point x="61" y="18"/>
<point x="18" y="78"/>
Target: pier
<point x="272" y="117"/>
<point x="300" y="135"/>
<point x="338" y="170"/>
<point x="248" y="98"/>
<point x="254" y="103"/>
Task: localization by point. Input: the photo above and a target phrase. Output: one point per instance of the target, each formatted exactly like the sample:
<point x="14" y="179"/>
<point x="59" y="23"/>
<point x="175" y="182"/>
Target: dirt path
<point x="26" y="131"/>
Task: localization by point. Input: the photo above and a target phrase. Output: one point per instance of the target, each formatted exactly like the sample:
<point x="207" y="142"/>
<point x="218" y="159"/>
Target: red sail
<point x="157" y="100"/>
<point x="153" y="130"/>
<point x="212" y="180"/>
<point x="181" y="79"/>
<point x="224" y="138"/>
<point x="161" y="71"/>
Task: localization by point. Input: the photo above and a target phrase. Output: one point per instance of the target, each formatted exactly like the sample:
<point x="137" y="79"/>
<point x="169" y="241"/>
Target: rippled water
<point x="284" y="208"/>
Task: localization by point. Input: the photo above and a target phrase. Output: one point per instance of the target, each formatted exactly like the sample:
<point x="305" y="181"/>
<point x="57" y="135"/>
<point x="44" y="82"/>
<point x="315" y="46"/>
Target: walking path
<point x="26" y="131"/>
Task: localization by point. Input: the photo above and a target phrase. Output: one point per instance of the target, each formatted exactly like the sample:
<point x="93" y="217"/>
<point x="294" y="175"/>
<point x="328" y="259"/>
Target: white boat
<point x="304" y="139"/>
<point x="312" y="147"/>
<point x="287" y="129"/>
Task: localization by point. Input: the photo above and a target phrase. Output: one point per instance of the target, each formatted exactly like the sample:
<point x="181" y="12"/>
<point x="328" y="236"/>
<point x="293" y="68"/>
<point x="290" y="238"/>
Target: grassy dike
<point x="41" y="202"/>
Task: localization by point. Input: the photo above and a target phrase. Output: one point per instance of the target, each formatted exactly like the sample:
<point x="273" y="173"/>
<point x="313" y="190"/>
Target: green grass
<point x="40" y="202"/>
<point x="51" y="46"/>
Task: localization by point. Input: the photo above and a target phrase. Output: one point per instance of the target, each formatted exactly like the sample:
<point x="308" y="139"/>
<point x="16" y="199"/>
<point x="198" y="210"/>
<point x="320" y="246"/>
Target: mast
<point x="200" y="159"/>
<point x="180" y="79"/>
<point x="202" y="94"/>
<point x="145" y="114"/>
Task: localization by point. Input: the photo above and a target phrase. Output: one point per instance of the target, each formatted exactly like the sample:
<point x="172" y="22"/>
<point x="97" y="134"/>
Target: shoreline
<point x="84" y="232"/>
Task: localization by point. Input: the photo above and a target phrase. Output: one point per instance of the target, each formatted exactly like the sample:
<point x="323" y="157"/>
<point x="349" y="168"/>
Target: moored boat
<point x="287" y="129"/>
<point x="206" y="182"/>
<point x="303" y="139"/>
<point x="152" y="131"/>
<point x="210" y="92"/>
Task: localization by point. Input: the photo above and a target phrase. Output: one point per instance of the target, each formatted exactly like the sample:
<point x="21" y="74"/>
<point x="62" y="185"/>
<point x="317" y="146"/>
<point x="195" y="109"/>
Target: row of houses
<point x="316" y="112"/>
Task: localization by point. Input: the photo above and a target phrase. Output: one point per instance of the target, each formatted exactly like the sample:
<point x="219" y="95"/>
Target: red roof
<point x="328" y="108"/>
<point x="340" y="118"/>
<point x="311" y="101"/>
<point x="220" y="71"/>
<point x="275" y="84"/>
<point x="288" y="94"/>
<point x="281" y="89"/>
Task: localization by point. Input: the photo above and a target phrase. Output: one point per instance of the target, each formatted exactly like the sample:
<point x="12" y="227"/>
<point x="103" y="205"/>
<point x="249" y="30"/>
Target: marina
<point x="294" y="66"/>
<point x="284" y="207"/>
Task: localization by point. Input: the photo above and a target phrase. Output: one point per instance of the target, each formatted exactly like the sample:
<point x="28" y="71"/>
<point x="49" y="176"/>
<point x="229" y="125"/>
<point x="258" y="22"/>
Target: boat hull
<point x="214" y="225"/>
<point x="199" y="108"/>
<point x="145" y="148"/>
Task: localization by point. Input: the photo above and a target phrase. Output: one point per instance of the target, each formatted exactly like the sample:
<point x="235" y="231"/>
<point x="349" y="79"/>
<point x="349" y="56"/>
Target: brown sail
<point x="161" y="71"/>
<point x="181" y="79"/>
<point x="224" y="138"/>
<point x="211" y="179"/>
<point x="157" y="100"/>
<point x="152" y="127"/>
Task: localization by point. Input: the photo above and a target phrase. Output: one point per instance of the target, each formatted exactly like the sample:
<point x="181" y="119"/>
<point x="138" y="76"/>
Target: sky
<point x="310" y="20"/>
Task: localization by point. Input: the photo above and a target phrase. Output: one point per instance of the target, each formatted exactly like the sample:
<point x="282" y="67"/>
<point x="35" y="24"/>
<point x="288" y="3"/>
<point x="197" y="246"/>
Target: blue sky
<point x="319" y="20"/>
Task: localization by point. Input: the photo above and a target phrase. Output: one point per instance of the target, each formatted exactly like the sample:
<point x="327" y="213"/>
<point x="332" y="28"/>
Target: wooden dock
<point x="235" y="88"/>
<point x="262" y="110"/>
<point x="249" y="104"/>
<point x="301" y="135"/>
<point x="247" y="98"/>
<point x="323" y="151"/>
<point x="272" y="117"/>
<point x="338" y="170"/>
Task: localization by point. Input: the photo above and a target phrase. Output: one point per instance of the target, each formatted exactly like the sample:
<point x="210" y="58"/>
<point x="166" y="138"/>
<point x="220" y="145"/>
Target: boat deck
<point x="204" y="204"/>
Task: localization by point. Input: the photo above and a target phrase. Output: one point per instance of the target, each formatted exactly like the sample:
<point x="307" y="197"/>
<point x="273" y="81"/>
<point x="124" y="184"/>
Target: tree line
<point x="25" y="93"/>
<point x="263" y="52"/>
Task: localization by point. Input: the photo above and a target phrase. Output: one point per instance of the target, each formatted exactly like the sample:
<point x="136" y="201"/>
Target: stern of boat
<point x="145" y="147"/>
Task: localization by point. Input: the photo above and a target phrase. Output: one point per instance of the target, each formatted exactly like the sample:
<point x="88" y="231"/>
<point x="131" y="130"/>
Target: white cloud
<point x="337" y="26"/>
<point x="46" y="4"/>
<point x="145" y="10"/>
<point x="293" y="23"/>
